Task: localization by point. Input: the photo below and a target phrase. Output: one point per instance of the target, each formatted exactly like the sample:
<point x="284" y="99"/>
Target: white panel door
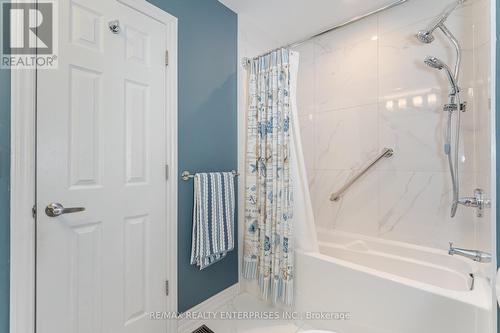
<point x="101" y="145"/>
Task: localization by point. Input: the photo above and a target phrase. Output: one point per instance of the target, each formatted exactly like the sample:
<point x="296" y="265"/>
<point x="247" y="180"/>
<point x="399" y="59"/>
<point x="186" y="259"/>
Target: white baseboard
<point x="210" y="305"/>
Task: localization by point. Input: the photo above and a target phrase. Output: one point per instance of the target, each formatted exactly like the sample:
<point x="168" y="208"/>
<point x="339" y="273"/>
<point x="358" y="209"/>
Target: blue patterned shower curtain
<point x="268" y="249"/>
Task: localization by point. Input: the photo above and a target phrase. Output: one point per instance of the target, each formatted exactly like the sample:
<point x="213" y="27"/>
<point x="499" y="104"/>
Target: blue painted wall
<point x="4" y="198"/>
<point x="207" y="126"/>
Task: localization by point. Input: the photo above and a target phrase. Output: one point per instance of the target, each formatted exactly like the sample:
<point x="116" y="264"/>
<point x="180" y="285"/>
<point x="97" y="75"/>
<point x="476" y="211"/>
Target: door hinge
<point x="167" y="172"/>
<point x="33" y="211"/>
<point x="167" y="289"/>
<point x="166" y="58"/>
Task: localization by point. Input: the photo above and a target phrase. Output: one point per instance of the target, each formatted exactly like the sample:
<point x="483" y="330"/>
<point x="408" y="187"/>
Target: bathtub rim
<point x="479" y="296"/>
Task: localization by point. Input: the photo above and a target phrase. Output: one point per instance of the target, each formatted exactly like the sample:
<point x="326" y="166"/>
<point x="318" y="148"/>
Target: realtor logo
<point x="29" y="38"/>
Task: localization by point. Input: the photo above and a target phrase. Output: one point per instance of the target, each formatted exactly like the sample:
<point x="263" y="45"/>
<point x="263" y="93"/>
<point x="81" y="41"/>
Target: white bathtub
<point x="394" y="287"/>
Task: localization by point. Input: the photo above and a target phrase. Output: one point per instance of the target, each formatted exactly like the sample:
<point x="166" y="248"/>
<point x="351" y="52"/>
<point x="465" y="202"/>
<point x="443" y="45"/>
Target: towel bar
<point x="186" y="175"/>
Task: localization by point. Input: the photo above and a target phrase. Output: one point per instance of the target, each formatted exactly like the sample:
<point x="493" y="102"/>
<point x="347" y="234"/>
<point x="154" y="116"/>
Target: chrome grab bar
<point x="387" y="152"/>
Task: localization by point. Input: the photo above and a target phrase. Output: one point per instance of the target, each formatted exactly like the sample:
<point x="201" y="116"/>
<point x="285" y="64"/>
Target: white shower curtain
<point x="277" y="197"/>
<point x="305" y="228"/>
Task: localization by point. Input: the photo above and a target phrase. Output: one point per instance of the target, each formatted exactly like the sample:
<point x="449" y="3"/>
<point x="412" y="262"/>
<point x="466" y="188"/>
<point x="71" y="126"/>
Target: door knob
<point x="55" y="209"/>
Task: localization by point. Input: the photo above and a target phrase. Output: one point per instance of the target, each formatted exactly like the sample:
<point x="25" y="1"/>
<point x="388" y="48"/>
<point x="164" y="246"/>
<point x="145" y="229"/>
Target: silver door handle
<point x="55" y="209"/>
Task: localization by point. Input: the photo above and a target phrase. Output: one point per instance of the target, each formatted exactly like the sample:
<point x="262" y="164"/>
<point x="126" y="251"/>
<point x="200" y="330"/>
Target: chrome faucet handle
<point x="481" y="202"/>
<point x="478" y="201"/>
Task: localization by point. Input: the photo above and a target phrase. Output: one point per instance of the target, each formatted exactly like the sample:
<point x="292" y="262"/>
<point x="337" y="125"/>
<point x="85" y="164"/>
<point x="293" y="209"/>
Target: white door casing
<point x="104" y="137"/>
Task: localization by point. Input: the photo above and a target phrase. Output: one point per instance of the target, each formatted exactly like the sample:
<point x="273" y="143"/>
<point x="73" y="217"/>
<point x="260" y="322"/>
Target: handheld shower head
<point x="436" y="63"/>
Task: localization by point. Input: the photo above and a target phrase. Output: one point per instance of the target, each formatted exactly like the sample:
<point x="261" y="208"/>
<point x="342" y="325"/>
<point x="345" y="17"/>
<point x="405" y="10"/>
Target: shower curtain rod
<point x="246" y="61"/>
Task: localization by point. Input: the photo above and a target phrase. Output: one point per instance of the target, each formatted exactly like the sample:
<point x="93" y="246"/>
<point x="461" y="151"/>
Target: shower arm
<point x="456" y="44"/>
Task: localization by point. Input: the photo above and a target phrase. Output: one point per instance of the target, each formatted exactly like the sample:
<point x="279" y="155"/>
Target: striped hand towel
<point x="213" y="218"/>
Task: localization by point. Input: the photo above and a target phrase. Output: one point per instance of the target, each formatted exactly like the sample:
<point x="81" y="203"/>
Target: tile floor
<point x="247" y="303"/>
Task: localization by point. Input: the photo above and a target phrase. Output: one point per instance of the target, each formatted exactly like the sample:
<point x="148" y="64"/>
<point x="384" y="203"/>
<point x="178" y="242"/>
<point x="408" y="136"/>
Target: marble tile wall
<point x="365" y="87"/>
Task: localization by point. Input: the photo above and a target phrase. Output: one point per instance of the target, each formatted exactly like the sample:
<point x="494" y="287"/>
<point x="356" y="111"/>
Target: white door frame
<point x="23" y="181"/>
<point x="494" y="158"/>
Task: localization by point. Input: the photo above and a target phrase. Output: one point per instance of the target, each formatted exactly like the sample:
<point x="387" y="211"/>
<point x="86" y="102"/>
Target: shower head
<point x="436" y="63"/>
<point x="426" y="36"/>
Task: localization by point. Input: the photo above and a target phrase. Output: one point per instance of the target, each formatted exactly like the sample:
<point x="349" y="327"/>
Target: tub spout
<point x="475" y="255"/>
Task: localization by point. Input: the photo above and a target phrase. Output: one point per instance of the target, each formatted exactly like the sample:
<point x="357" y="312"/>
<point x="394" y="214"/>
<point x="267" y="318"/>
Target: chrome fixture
<point x="426" y="35"/>
<point x="246" y="61"/>
<point x="476" y="255"/>
<point x="186" y="175"/>
<point x="454" y="106"/>
<point x="478" y="201"/>
<point x="387" y="152"/>
<point x="114" y="26"/>
<point x="55" y="209"/>
<point x="434" y="62"/>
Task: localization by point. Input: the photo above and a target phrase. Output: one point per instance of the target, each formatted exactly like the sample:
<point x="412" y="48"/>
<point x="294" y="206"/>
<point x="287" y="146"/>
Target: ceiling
<point x="297" y="19"/>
